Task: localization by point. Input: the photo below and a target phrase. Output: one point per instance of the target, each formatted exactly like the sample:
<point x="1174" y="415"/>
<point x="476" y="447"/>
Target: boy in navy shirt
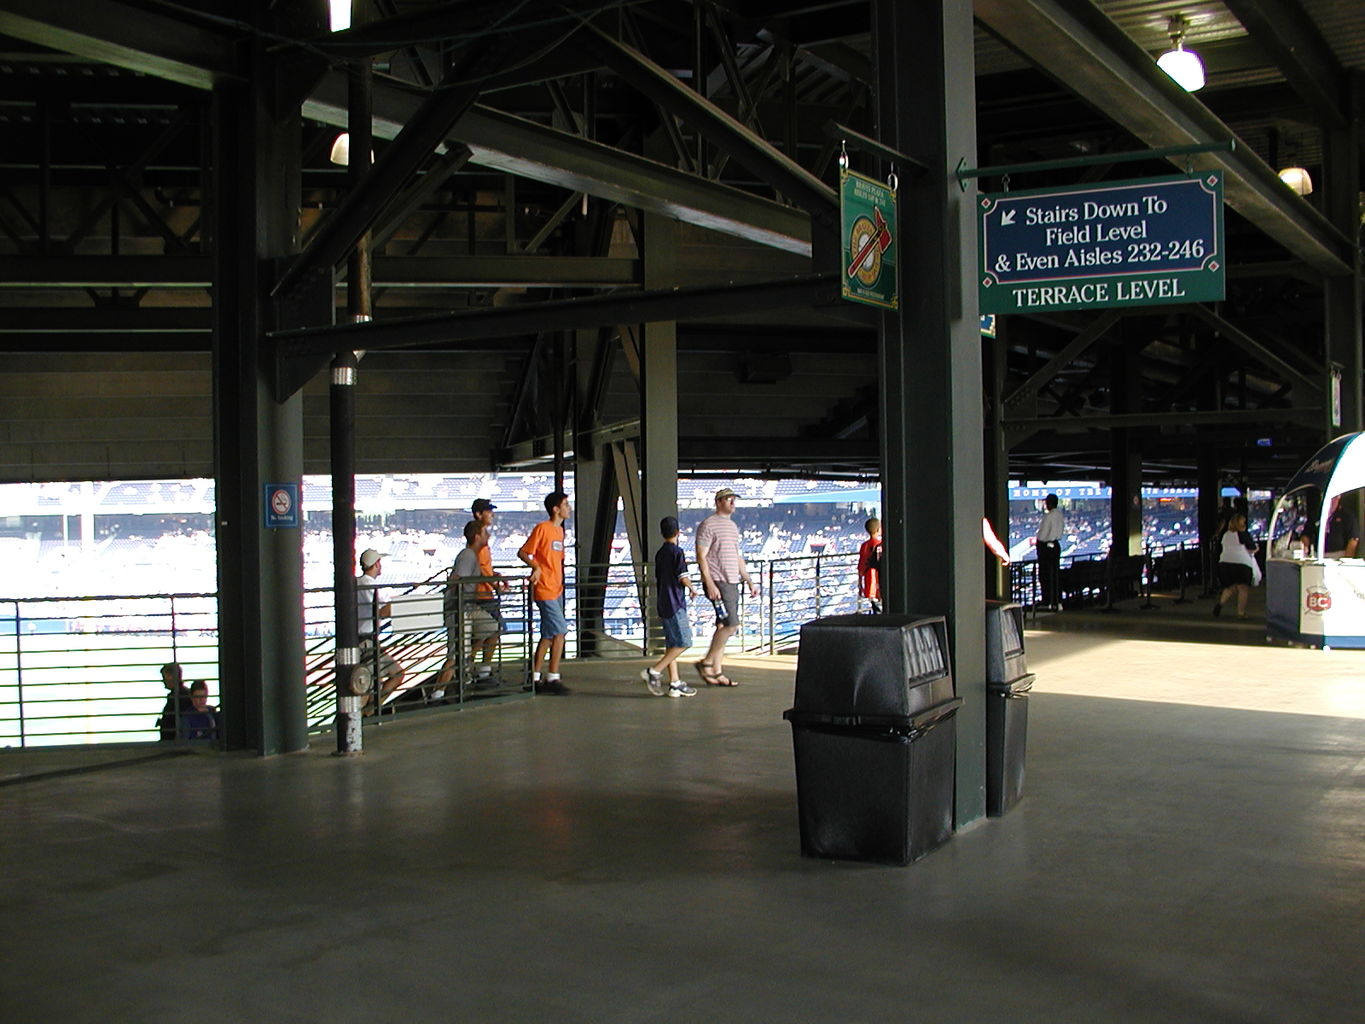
<point x="670" y="575"/>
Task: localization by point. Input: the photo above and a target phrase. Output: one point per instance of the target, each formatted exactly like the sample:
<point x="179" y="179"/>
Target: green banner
<point x="867" y="213"/>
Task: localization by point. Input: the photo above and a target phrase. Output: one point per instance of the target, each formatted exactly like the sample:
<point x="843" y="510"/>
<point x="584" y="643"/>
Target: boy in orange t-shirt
<point x="544" y="553"/>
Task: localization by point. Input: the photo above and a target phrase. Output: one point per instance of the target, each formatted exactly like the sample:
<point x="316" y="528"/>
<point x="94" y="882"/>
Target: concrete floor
<point x="1190" y="847"/>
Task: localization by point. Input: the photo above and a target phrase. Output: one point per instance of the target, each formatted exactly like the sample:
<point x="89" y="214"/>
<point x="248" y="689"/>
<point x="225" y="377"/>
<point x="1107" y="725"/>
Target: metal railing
<point x="87" y="669"/>
<point x="1095" y="579"/>
<point x="415" y="637"/>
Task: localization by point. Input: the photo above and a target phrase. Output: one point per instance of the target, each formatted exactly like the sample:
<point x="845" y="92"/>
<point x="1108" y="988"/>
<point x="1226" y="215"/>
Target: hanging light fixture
<point x="1181" y="64"/>
<point x="1298" y="179"/>
<point x="341" y="150"/>
<point x="339" y="14"/>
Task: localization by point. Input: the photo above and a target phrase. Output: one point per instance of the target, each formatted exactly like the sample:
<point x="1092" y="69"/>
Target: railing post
<point x="1147" y="570"/>
<point x="19" y="674"/>
<point x="175" y="633"/>
<point x="1180" y="574"/>
<point x="772" y="609"/>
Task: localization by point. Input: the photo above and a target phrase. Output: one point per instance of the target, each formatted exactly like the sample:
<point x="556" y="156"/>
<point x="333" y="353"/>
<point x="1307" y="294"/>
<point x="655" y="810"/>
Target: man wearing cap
<point x="544" y="553"/>
<point x="486" y="598"/>
<point x="371" y="608"/>
<point x="722" y="571"/>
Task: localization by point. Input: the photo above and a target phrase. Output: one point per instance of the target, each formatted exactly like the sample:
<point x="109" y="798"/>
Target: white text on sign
<point x="1099" y="292"/>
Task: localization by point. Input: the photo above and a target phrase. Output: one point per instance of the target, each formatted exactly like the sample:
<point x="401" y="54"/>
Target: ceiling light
<point x="1298" y="179"/>
<point x="1181" y="64"/>
<point x="341" y="150"/>
<point x="339" y="12"/>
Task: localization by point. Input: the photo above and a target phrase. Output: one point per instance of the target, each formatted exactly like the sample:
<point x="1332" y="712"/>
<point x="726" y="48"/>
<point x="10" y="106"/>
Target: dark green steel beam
<point x="506" y="271"/>
<point x="1307" y="415"/>
<point x="517" y="146"/>
<point x="561" y="315"/>
<point x="719" y="128"/>
<point x="1289" y="35"/>
<point x="108" y="341"/>
<point x="363" y="205"/>
<point x="180" y="271"/>
<point x="115" y="319"/>
<point x="126" y="36"/>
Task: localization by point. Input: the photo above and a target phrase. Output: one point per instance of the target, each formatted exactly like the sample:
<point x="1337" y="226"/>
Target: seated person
<point x="200" y="722"/>
<point x="372" y="609"/>
<point x="177" y="701"/>
<point x="1342" y="538"/>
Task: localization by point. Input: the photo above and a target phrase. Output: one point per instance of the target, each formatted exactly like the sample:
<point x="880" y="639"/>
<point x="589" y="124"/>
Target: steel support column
<point x="931" y="354"/>
<point x="256" y="440"/>
<point x="1125" y="462"/>
<point x="1210" y="484"/>
<point x="1342" y="295"/>
<point x="997" y="459"/>
<point x="595" y="493"/>
<point x="341" y="430"/>
<point x="658" y="387"/>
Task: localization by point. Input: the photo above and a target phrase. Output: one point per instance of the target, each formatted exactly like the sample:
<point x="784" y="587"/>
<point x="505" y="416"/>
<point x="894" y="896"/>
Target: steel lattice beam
<point x="560" y="315"/>
<point x="127" y="37"/>
<point x="517" y="146"/>
<point x="1308" y="63"/>
<point x="718" y="127"/>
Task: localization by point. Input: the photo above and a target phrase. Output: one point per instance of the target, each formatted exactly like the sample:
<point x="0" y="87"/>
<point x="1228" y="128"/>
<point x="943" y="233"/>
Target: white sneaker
<point x="654" y="680"/>
<point x="681" y="689"/>
<point x="436" y="696"/>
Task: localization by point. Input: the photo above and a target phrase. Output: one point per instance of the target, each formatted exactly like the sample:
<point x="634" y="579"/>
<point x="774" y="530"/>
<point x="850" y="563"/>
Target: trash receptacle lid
<point x="873" y="665"/>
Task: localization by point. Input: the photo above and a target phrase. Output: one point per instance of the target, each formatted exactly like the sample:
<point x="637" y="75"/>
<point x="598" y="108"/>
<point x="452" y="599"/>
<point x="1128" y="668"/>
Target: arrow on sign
<point x="880" y="239"/>
<point x="1007" y="217"/>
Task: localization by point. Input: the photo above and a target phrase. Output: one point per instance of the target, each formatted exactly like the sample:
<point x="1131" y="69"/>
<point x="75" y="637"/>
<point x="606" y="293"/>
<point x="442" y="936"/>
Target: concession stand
<point x="1315" y="583"/>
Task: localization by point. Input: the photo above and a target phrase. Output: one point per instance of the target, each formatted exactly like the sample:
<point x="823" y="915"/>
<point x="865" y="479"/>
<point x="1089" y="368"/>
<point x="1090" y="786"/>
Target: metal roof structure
<point x="519" y="149"/>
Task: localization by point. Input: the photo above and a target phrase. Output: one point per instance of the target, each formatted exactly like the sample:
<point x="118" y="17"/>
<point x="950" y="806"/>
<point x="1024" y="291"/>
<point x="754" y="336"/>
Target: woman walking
<point x="1238" y="570"/>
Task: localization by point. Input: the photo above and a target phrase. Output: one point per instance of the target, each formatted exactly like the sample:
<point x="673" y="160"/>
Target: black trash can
<point x="875" y="737"/>
<point x="1008" y="682"/>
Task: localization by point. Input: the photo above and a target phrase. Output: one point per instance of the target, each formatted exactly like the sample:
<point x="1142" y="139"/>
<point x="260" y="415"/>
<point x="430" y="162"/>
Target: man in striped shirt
<point x="722" y="571"/>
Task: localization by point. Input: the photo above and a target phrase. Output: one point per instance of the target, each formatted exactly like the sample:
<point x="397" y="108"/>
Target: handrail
<point x="85" y="669"/>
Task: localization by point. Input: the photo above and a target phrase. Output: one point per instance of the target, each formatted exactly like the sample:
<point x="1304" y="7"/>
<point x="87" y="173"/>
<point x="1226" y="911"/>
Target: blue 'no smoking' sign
<point x="281" y="505"/>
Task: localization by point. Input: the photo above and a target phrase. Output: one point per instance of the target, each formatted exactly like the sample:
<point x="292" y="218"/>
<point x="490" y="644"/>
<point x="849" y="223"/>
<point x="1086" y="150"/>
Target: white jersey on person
<point x="1052" y="527"/>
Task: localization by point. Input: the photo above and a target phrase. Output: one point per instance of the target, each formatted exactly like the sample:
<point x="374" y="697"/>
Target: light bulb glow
<point x="1298" y="179"/>
<point x="339" y="14"/>
<point x="341" y="150"/>
<point x="1184" y="66"/>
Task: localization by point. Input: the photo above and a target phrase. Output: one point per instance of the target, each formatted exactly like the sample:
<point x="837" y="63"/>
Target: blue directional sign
<point x="1136" y="243"/>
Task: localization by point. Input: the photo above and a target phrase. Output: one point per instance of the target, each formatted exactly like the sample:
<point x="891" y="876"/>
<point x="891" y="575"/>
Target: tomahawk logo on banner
<point x="867" y="211"/>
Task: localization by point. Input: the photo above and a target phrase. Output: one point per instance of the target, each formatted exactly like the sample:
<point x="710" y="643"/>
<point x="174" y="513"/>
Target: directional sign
<point x="1135" y="243"/>
<point x="868" y="213"/>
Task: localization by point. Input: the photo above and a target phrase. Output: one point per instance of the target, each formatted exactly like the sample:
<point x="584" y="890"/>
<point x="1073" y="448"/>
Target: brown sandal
<point x="721" y="679"/>
<point x="707" y="675"/>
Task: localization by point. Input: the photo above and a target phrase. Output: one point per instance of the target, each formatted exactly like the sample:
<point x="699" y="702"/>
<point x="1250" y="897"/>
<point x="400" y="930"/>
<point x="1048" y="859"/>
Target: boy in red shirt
<point x="870" y="566"/>
<point x="544" y="553"/>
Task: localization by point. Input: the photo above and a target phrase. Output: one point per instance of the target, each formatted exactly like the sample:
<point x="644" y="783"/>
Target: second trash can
<point x="874" y="736"/>
<point x="1008" y="682"/>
